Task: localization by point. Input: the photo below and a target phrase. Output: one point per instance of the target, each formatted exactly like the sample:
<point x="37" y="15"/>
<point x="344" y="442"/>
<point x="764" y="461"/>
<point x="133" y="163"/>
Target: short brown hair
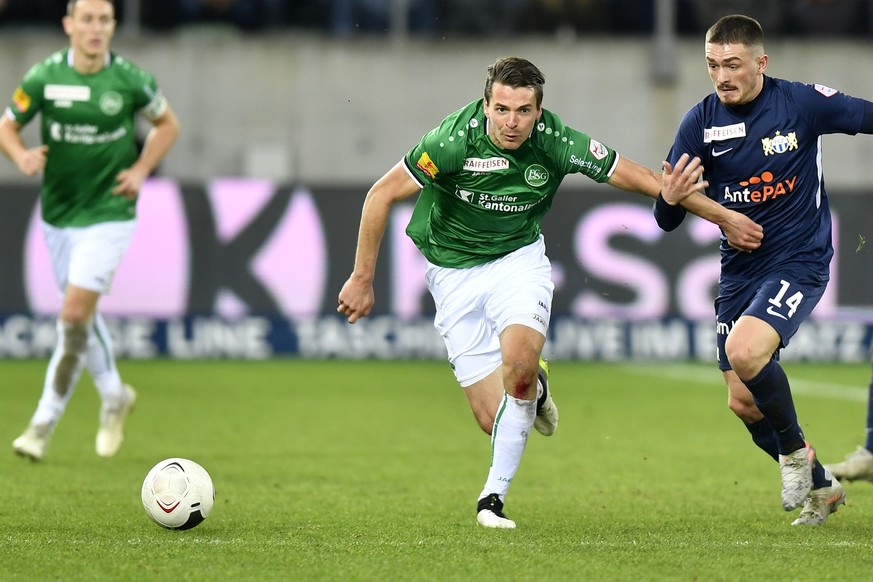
<point x="736" y="29"/>
<point x="72" y="4"/>
<point x="515" y="72"/>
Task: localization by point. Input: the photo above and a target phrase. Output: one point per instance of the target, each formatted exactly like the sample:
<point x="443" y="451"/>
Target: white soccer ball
<point x="177" y="494"/>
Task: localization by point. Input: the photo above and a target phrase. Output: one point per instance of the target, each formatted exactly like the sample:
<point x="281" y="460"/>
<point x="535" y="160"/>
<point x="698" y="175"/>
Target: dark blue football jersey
<point x="764" y="159"/>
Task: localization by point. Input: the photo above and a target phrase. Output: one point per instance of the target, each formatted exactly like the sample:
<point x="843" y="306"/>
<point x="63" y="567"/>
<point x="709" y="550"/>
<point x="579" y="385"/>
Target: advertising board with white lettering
<point x="248" y="268"/>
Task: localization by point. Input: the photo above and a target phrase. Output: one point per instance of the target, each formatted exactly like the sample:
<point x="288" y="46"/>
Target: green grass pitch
<point x="336" y="470"/>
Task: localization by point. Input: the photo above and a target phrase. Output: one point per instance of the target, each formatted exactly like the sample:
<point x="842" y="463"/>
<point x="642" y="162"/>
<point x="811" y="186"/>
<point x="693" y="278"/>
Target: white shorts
<point x="474" y="305"/>
<point x="88" y="256"/>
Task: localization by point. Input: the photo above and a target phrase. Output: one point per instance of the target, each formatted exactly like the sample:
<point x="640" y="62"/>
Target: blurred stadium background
<point x="290" y="109"/>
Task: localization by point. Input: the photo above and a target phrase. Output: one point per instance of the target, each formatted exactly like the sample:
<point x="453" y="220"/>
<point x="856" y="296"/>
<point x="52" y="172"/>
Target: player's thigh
<point x="472" y="342"/>
<point x="782" y="301"/>
<point x="786" y="300"/>
<point x="522" y="290"/>
<point x="474" y="306"/>
<point x="96" y="253"/>
<point x="59" y="242"/>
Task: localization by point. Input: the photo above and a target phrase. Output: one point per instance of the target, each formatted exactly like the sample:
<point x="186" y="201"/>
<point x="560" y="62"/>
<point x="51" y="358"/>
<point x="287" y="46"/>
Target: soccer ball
<point x="177" y="494"/>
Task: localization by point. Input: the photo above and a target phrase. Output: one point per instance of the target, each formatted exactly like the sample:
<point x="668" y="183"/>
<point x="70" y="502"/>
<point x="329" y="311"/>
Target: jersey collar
<point x="106" y="61"/>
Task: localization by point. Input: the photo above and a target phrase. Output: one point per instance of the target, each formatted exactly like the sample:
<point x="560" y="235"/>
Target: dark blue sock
<point x="819" y="479"/>
<point x="869" y="443"/>
<point x="773" y="397"/>
<point x="764" y="436"/>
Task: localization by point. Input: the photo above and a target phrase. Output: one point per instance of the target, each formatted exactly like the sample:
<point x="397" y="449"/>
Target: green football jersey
<point x="87" y="122"/>
<point x="479" y="202"/>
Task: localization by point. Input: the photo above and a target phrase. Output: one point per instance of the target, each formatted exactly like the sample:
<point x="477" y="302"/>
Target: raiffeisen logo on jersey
<point x="486" y="164"/>
<point x="723" y="133"/>
<point x="761" y="188"/>
<point x="779" y="144"/>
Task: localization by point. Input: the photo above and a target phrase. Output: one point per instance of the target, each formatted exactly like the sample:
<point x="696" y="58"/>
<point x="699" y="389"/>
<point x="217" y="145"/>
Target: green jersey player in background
<point x="487" y="176"/>
<point x="88" y="99"/>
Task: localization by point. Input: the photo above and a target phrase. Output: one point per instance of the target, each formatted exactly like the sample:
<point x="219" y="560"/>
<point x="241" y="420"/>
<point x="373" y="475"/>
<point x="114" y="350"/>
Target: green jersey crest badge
<point x="111" y="103"/>
<point x="536" y="175"/>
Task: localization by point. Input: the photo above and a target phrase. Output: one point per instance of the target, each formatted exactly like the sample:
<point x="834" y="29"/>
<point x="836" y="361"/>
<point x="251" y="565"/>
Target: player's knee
<point x="520" y="379"/>
<point x="75" y="313"/>
<point x="733" y="350"/>
<point x="740" y="358"/>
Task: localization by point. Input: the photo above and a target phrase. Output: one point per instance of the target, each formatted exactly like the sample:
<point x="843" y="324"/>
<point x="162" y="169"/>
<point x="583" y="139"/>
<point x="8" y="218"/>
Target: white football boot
<point x="821" y="503"/>
<point x="33" y="441"/>
<point x="489" y="513"/>
<point x="857" y="466"/>
<point x="796" y="469"/>
<point x="112" y="417"/>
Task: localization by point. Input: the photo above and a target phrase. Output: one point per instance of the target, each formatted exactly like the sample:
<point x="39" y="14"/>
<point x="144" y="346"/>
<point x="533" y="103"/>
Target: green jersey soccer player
<point x="487" y="176"/>
<point x="87" y="99"/>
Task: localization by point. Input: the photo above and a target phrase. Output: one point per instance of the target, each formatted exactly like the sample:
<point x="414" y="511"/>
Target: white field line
<point x="698" y="375"/>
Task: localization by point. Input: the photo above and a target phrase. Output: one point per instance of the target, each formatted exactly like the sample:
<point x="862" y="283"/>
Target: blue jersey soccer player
<point x="758" y="141"/>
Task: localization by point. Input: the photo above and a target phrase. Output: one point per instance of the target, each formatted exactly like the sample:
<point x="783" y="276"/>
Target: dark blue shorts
<point x="783" y="300"/>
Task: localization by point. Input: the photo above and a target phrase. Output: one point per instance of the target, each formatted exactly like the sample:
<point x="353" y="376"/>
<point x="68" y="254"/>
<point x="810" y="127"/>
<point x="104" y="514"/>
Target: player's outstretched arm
<point x="631" y="176"/>
<point x="682" y="185"/>
<point x="356" y="298"/>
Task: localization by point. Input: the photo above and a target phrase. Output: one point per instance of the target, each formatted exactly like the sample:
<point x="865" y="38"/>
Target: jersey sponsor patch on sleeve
<point x="21" y="100"/>
<point x="825" y="90"/>
<point x="597" y="149"/>
<point x="156" y="107"/>
<point x="426" y="165"/>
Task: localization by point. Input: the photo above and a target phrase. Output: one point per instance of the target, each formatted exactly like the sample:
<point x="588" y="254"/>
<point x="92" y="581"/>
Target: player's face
<point x="512" y="113"/>
<point x="737" y="72"/>
<point x="90" y="27"/>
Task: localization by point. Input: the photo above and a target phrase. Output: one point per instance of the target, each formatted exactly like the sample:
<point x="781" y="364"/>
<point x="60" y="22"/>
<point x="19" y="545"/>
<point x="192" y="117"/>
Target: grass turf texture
<point x="370" y="471"/>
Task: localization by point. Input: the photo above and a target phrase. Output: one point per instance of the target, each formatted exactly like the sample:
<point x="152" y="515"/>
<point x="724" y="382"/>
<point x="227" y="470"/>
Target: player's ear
<point x="762" y="63"/>
<point x="67" y="22"/>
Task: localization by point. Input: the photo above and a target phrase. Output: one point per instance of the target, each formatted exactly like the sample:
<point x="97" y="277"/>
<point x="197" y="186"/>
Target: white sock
<point x="100" y="361"/>
<point x="52" y="403"/>
<point x="512" y="425"/>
